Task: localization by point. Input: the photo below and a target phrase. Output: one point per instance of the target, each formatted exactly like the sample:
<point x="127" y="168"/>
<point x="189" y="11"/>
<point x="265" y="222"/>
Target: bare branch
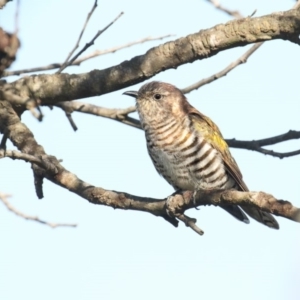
<point x="117" y="48"/>
<point x="89" y="44"/>
<point x="233" y="13"/>
<point x="51" y="89"/>
<point x="78" y="61"/>
<point x="41" y="161"/>
<point x="66" y="63"/>
<point x="181" y="201"/>
<point x="3" y="141"/>
<point x="71" y="121"/>
<point x="3" y="198"/>
<point x="49" y="167"/>
<point x="278" y="154"/>
<point x="8" y="117"/>
<point x="241" y="60"/>
<point x="290" y="135"/>
<point x="120" y="115"/>
<point x="256" y="145"/>
<point x="176" y="204"/>
<point x="190" y="222"/>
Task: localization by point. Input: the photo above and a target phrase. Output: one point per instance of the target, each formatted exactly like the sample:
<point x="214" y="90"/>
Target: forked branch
<point x="175" y="206"/>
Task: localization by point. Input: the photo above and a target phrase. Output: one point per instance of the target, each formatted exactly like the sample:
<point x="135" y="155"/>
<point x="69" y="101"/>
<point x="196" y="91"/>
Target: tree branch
<point x="50" y="89"/>
<point x="67" y="63"/>
<point x="120" y="115"/>
<point x="3" y="198"/>
<point x="180" y="202"/>
<point x="170" y="209"/>
<point x="89" y="44"/>
<point x="241" y="60"/>
<point x="256" y="145"/>
<point x="78" y="61"/>
<point x="232" y="13"/>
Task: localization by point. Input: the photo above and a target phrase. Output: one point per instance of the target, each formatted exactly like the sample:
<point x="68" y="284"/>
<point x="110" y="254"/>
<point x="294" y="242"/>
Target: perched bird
<point x="188" y="149"/>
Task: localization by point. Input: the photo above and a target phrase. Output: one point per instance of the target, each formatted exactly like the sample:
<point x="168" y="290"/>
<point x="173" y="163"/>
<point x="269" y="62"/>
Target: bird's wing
<point x="212" y="134"/>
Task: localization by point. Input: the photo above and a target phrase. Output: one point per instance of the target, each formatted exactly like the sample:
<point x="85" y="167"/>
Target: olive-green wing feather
<point x="212" y="134"/>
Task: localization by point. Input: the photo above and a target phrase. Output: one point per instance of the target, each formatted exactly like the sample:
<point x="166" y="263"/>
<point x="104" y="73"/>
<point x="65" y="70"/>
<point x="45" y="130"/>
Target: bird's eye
<point x="157" y="96"/>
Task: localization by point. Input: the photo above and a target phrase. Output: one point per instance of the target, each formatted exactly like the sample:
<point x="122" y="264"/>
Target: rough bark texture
<point x="51" y="89"/>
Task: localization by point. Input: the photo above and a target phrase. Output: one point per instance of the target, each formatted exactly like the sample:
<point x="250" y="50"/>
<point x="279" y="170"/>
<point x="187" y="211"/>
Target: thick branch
<point x="172" y="208"/>
<point x="50" y="89"/>
<point x="233" y="65"/>
<point x="24" y="140"/>
<point x="180" y="202"/>
<point x="169" y="209"/>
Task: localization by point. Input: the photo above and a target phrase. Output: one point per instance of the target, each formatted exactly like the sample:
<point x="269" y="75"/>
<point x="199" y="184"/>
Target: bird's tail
<point x="236" y="212"/>
<point x="255" y="213"/>
<point x="261" y="216"/>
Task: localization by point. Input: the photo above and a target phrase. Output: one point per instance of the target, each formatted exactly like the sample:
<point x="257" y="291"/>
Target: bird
<point x="188" y="149"/>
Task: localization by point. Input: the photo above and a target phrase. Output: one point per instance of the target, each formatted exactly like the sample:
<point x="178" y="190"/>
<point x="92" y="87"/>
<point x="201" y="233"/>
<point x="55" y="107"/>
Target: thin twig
<point x="78" y="61"/>
<point x="120" y="115"/>
<point x="3" y="198"/>
<point x="234" y="13"/>
<point x="241" y="60"/>
<point x="65" y="64"/>
<point x="224" y="72"/>
<point x="17" y="17"/>
<point x="290" y="135"/>
<point x="117" y="48"/>
<point x="3" y="141"/>
<point x="256" y="145"/>
<point x="190" y="222"/>
<point x="42" y="162"/>
<point x="277" y="154"/>
<point x="89" y="44"/>
<point x="71" y="121"/>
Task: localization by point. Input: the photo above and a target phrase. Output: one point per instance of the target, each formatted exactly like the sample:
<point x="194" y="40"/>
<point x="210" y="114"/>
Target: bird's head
<point x="158" y="100"/>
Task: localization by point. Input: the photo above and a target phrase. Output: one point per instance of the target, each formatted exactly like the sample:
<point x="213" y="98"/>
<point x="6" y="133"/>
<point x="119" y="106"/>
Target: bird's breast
<point x="183" y="156"/>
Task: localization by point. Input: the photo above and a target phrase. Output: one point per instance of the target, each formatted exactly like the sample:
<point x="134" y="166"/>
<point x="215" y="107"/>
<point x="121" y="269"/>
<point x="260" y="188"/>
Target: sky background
<point x="115" y="254"/>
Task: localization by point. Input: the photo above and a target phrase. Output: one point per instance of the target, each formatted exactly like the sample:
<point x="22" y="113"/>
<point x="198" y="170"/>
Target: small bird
<point x="188" y="149"/>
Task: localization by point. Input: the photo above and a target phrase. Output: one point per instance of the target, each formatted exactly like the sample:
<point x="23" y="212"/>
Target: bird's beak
<point x="133" y="94"/>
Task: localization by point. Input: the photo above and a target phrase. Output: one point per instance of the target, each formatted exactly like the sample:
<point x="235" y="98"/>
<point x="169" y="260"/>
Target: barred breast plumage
<point x="183" y="157"/>
<point x="188" y="149"/>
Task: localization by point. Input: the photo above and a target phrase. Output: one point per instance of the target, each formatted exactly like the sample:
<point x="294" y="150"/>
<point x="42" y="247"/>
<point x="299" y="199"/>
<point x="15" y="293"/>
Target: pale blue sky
<point x="116" y="254"/>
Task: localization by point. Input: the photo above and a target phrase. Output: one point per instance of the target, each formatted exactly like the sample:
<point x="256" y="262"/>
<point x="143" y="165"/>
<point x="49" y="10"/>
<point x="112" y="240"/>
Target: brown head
<point x="157" y="100"/>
